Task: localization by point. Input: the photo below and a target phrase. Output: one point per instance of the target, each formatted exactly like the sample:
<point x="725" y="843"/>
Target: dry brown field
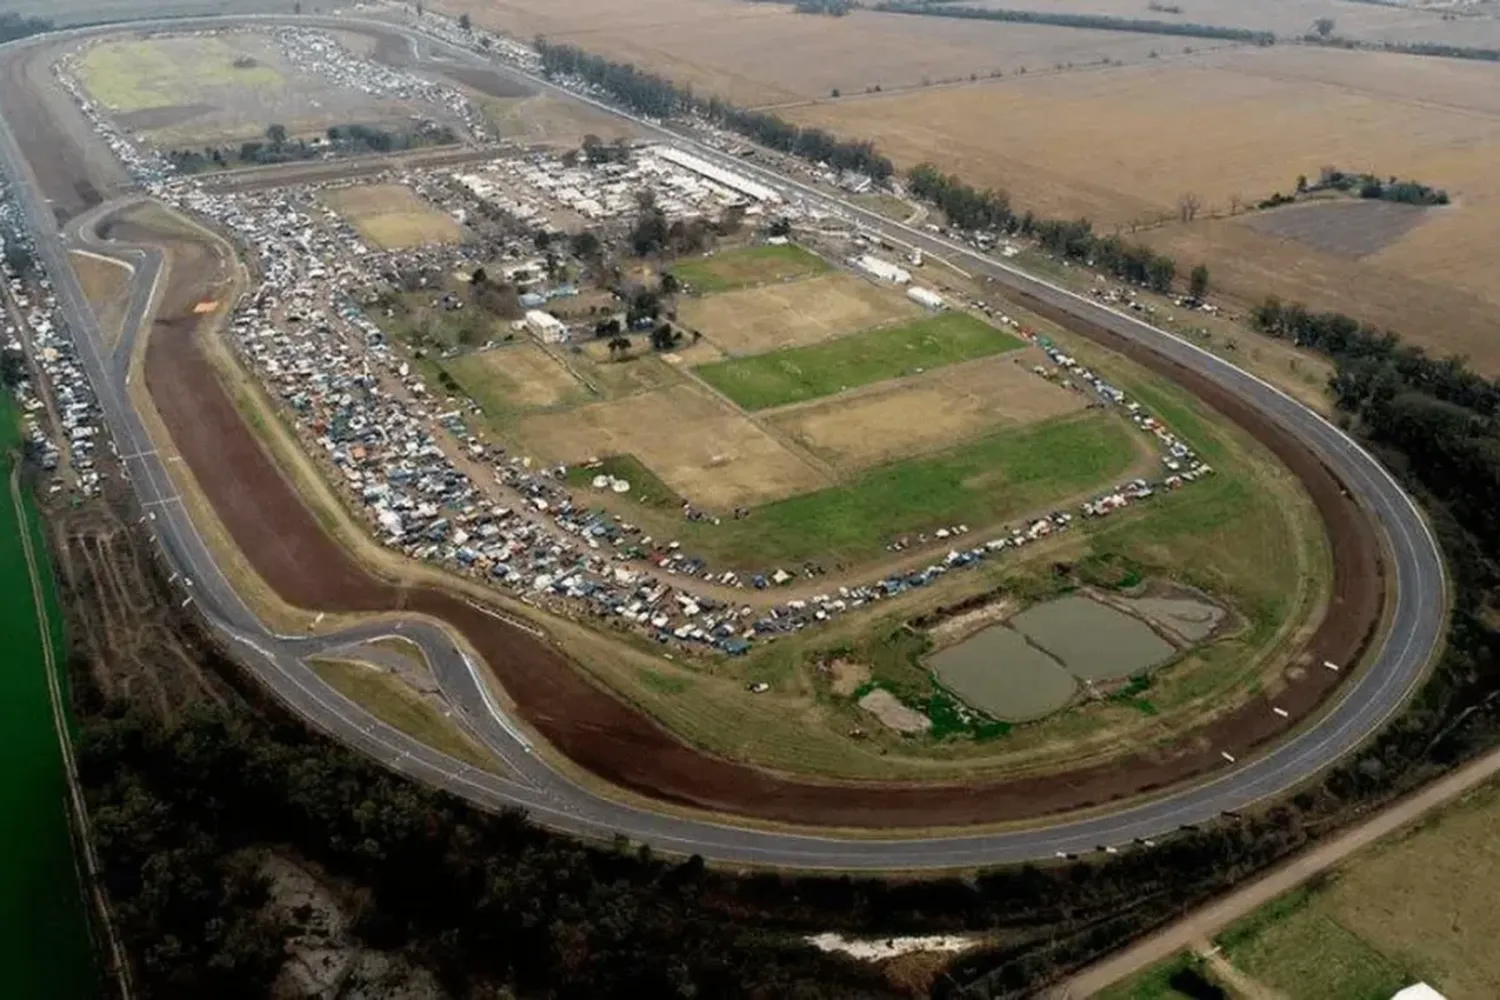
<point x="754" y="320"/>
<point x="1122" y="146"/>
<point x="927" y="412"/>
<point x="392" y="217"/>
<point x="762" y="53"/>
<point x="106" y="285"/>
<point x="697" y="444"/>
<point x="512" y="378"/>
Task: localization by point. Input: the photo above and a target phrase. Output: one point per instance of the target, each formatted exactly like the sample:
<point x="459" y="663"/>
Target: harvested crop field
<point x="757" y="54"/>
<point x="1345" y="228"/>
<point x="745" y="266"/>
<point x="753" y="320"/>
<point x="998" y="672"/>
<point x="702" y="449"/>
<point x="926" y="412"/>
<point x="1239" y="124"/>
<point x="798" y="374"/>
<point x="1093" y="640"/>
<point x="511" y="378"/>
<point x="392" y="217"/>
<point x="281" y="537"/>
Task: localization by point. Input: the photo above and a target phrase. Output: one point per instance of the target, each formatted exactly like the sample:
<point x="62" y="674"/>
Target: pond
<point x="998" y="672"/>
<point x="1093" y="640"/>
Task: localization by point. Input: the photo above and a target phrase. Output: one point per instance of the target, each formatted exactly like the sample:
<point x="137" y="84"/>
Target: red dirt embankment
<point x="285" y="544"/>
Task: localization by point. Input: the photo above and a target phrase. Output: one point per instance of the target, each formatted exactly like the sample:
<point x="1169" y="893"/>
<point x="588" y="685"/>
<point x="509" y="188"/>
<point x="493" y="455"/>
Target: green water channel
<point x="46" y="950"/>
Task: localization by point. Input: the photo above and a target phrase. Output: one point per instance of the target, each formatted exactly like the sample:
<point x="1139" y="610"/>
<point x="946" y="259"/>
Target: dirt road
<point x="1210" y="920"/>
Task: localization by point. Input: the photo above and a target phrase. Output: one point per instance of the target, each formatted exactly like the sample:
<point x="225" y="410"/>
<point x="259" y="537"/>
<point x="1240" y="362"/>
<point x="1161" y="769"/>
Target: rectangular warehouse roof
<point x="717" y="174"/>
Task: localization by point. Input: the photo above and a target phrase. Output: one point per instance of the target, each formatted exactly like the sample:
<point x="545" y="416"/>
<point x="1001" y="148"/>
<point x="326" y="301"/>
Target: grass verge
<point x="392" y="702"/>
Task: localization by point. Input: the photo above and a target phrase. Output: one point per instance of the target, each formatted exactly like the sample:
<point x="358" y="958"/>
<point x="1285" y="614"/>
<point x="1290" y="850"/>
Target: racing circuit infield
<point x="281" y="538"/>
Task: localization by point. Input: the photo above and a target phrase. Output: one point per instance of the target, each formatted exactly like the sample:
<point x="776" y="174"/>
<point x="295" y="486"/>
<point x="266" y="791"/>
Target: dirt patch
<point x="927" y="412"/>
<point x="960" y="626"/>
<point x="166" y="117"/>
<point x="1346" y="228"/>
<point x="894" y="715"/>
<point x="705" y="451"/>
<point x="846" y="676"/>
<point x="488" y="82"/>
<point x="753" y="320"/>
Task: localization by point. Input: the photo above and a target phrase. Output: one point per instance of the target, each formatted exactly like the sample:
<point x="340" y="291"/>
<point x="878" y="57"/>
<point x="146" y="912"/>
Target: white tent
<point x="1421" y="991"/>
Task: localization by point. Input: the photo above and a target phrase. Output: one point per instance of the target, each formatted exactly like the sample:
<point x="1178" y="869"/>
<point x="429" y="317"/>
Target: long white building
<point x="725" y="178"/>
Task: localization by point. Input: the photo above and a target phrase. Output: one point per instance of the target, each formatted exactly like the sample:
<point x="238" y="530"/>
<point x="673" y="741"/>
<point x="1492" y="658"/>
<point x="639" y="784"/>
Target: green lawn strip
<point x="803" y="373"/>
<point x="1291" y="945"/>
<point x="388" y="699"/>
<point x="1156" y="983"/>
<point x="747" y="266"/>
<point x="645" y="487"/>
<point x="1002" y="475"/>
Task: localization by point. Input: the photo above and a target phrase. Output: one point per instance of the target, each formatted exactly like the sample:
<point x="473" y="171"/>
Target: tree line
<point x="278" y="147"/>
<point x="1101" y="22"/>
<point x="989" y="211"/>
<point x="13" y="26"/>
<point x="1366" y="185"/>
<point x="658" y="97"/>
<point x="1441" y="50"/>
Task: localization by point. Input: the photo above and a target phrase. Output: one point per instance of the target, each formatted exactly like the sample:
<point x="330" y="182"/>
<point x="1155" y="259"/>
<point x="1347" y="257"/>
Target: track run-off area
<point x="1388" y="609"/>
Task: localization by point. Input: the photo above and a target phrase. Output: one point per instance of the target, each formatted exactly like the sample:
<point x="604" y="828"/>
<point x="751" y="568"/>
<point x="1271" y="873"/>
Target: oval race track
<point x="1415" y="614"/>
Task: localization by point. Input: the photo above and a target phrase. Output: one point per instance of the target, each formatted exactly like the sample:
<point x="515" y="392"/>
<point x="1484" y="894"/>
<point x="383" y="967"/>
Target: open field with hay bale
<point x="702" y="449"/>
<point x="798" y="374"/>
<point x="926" y="412"/>
<point x="392" y="217"/>
<point x="752" y="320"/>
<point x="223" y="88"/>
<point x="754" y="265"/>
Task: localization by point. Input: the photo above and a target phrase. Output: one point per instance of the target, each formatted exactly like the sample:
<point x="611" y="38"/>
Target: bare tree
<point x="1188" y="206"/>
<point x="1323" y="26"/>
<point x="1236" y="204"/>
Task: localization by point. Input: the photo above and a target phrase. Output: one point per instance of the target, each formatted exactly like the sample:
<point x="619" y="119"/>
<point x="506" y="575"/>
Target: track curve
<point x="1366" y="701"/>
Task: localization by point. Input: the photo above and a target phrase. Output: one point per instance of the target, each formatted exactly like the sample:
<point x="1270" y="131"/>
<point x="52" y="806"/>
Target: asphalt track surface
<point x="1415" y="615"/>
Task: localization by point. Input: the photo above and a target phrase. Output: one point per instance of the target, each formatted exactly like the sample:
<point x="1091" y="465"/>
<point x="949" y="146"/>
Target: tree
<point x="541" y="239"/>
<point x="1323" y="26"/>
<point x="1188" y="206"/>
<point x="464" y="22"/>
<point x="619" y="346"/>
<point x="780" y="227"/>
<point x="664" y="337"/>
<point x="479" y="277"/>
<point x="277" y="135"/>
<point x="669" y="284"/>
<point x="650" y="233"/>
<point x="1198" y="282"/>
<point x="834" y="92"/>
<point x="586" y="246"/>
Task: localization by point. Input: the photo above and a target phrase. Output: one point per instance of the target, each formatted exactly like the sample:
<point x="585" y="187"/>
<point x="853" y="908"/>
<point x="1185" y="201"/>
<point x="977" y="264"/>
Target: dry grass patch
<point x="519" y="377"/>
<point x="752" y="320"/>
<point x="106" y="285"/>
<point x="700" y="447"/>
<point x="927" y="412"/>
<point x="392" y="217"/>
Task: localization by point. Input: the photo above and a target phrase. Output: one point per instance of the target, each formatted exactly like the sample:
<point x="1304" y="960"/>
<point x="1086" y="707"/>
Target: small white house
<point x="883" y="269"/>
<point x="926" y="297"/>
<point x="547" y="327"/>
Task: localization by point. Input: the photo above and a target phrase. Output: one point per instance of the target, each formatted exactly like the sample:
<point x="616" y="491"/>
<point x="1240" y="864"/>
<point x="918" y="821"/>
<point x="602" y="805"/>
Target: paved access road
<point x="1363" y="704"/>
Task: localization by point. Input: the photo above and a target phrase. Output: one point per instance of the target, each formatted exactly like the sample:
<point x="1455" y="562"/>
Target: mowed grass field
<point x="1002" y="475"/>
<point x="790" y="314"/>
<point x="392" y="217"/>
<point x="799" y="374"/>
<point x="1239" y="124"/>
<point x="748" y="266"/>
<point x="140" y="75"/>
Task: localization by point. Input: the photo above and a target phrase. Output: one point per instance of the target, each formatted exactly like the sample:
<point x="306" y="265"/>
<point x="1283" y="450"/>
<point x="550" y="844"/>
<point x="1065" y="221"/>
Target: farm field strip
<point x="798" y="374"/>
